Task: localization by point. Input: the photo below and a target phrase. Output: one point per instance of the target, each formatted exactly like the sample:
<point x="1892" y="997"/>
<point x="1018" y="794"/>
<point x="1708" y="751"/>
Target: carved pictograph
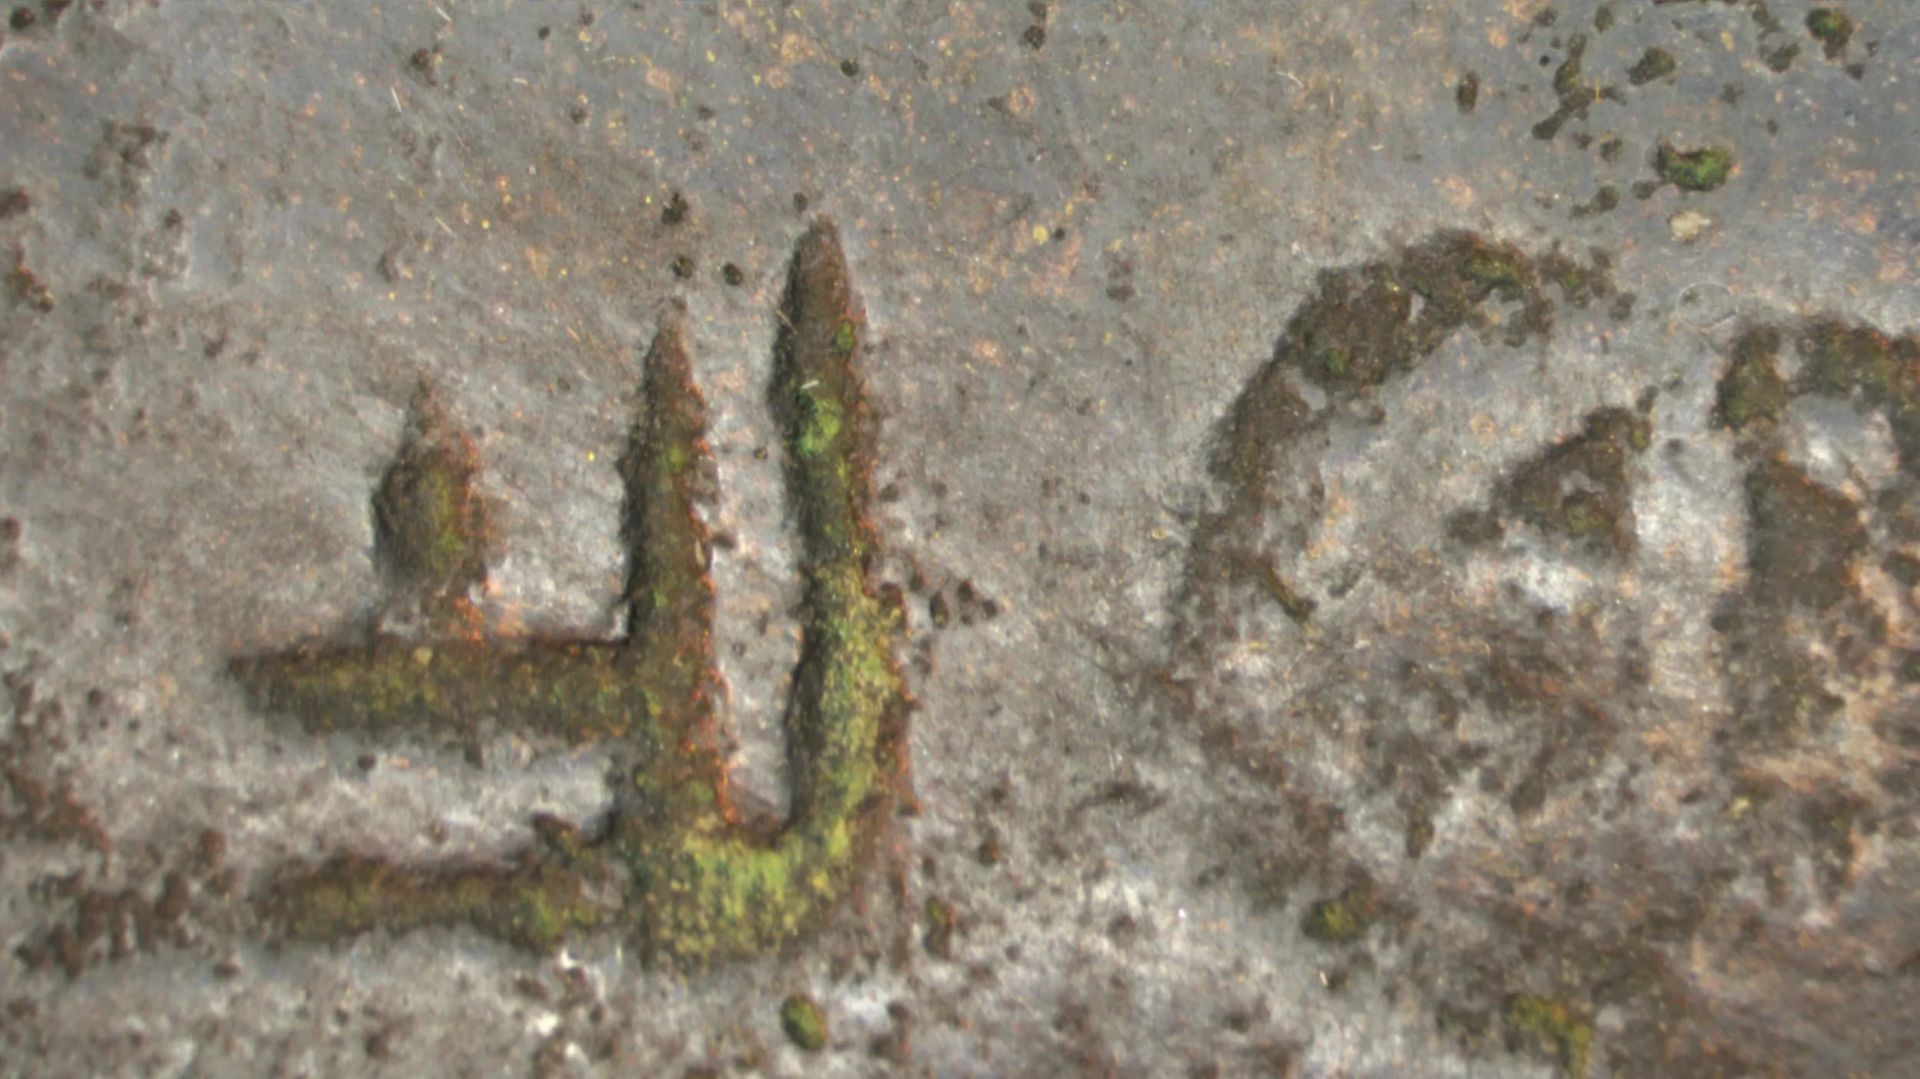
<point x="1640" y="701"/>
<point x="675" y="863"/>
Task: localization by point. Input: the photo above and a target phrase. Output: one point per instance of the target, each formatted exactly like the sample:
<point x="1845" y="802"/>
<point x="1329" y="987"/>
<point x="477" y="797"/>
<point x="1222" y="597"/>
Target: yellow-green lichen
<point x="532" y="905"/>
<point x="431" y="526"/>
<point x="1703" y="169"/>
<point x="675" y="864"/>
<point x="1553" y="1028"/>
<point x="820" y="425"/>
<point x="1343" y="919"/>
<point x="804" y="1023"/>
<point x="942" y="921"/>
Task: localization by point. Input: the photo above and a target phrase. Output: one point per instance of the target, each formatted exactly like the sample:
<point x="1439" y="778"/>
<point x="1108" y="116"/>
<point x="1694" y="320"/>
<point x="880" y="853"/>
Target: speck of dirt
<point x="683" y="266"/>
<point x="1653" y="64"/>
<point x="29" y="290"/>
<point x="676" y="210"/>
<point x="942" y="921"/>
<point x="22" y="19"/>
<point x="732" y="275"/>
<point x="14" y="203"/>
<point x="1466" y="95"/>
<point x="850" y="68"/>
<point x="1035" y="37"/>
<point x="1780" y="60"/>
<point x="425" y="64"/>
<point x="1604" y="200"/>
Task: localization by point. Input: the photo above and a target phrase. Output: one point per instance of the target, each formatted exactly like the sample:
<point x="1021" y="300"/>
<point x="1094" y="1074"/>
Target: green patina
<point x="1574" y="94"/>
<point x="942" y="922"/>
<point x="1837" y="359"/>
<point x="1703" y="169"/>
<point x="1845" y="359"/>
<point x="532" y="905"/>
<point x="1752" y="391"/>
<point x="1806" y="542"/>
<point x="1343" y="919"/>
<point x="675" y="864"/>
<point x="1367" y="324"/>
<point x="1554" y="1028"/>
<point x="819" y="424"/>
<point x="1362" y="327"/>
<point x="1832" y="28"/>
<point x="1653" y="64"/>
<point x="1581" y="285"/>
<point x="1581" y="488"/>
<point x="804" y="1023"/>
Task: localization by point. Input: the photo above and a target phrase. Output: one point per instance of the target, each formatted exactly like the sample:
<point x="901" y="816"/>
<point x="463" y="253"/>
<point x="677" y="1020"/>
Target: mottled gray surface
<point x="259" y="226"/>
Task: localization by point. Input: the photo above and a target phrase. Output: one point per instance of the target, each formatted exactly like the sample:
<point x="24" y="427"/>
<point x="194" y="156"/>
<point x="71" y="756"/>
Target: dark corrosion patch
<point x="1578" y="787"/>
